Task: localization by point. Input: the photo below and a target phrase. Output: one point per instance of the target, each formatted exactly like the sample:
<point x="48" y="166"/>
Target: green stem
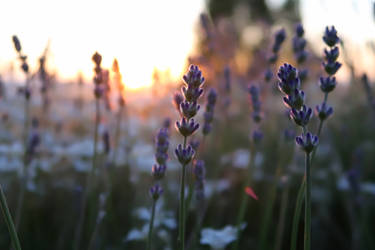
<point x="268" y="213"/>
<point x="117" y="134"/>
<point x="181" y="231"/>
<point x="8" y="219"/>
<point x="282" y="216"/>
<point x="307" y="243"/>
<point x="78" y="232"/>
<point x="25" y="163"/>
<point x="244" y="201"/>
<point x="151" y="225"/>
<point x="297" y="214"/>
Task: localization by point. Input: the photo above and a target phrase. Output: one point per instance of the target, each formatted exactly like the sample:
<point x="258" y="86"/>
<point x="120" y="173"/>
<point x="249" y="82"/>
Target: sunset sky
<point x="147" y="34"/>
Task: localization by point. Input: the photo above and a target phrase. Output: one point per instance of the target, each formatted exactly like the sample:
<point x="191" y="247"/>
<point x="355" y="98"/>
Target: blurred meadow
<point x="204" y="124"/>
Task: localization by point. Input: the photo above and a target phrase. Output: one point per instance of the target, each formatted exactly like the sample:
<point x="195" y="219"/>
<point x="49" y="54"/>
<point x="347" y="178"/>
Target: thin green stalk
<point x="282" y="216"/>
<point x="297" y="214"/>
<point x="149" y="240"/>
<point x="181" y="231"/>
<point x="8" y="219"/>
<point x="268" y="213"/>
<point x="307" y="243"/>
<point x="244" y="200"/>
<point x="24" y="174"/>
<point x="81" y="218"/>
<point x="117" y="134"/>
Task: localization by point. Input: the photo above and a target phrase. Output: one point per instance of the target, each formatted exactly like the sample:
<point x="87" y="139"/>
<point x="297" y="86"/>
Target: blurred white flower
<point x="218" y="239"/>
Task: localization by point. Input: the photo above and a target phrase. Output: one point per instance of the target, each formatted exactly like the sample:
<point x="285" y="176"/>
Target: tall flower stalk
<point x="98" y="92"/>
<point x="256" y="138"/>
<point x="279" y="39"/>
<point x="158" y="172"/>
<point x="121" y="105"/>
<point x="26" y="91"/>
<point x="186" y="127"/>
<point x="289" y="84"/>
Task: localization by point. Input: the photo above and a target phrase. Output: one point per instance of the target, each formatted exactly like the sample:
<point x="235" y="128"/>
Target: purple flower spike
<point x="301" y="117"/>
<point x="194" y="77"/>
<point x="186" y="128"/>
<point x="307" y="142"/>
<point x="288" y="79"/>
<point x="184" y="155"/>
<point x="156" y="191"/>
<point x="299" y="30"/>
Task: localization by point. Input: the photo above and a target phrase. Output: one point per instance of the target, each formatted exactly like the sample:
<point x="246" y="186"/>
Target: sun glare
<point x="142" y="35"/>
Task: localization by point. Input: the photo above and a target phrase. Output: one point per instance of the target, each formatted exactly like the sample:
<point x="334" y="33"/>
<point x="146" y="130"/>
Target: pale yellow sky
<point x="141" y="34"/>
<point x="145" y="34"/>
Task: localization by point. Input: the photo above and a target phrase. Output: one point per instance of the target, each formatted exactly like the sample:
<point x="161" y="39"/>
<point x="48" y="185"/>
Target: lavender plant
<point x="256" y="138"/>
<point x="158" y="172"/>
<point x="279" y="40"/>
<point x="300" y="55"/>
<point x="26" y="91"/>
<point x="289" y="84"/>
<point x="121" y="105"/>
<point x="186" y="127"/>
<point x="98" y="93"/>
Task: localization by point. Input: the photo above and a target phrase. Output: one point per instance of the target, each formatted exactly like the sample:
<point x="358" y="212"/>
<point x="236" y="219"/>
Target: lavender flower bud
<point x="331" y="67"/>
<point x="303" y="74"/>
<point x="184" y="155"/>
<point x="227" y="78"/>
<point x="156" y="191"/>
<point x="268" y="75"/>
<point x="296" y="100"/>
<point x="301" y="117"/>
<point x="194" y="77"/>
<point x="288" y="80"/>
<point x="189" y="109"/>
<point x="25" y="67"/>
<point x="257" y="136"/>
<point x="332" y="54"/>
<point x="299" y="30"/>
<point x="167" y="123"/>
<point x="161" y="157"/>
<point x="192" y="94"/>
<point x="177" y="100"/>
<point x="323" y="111"/>
<point x="279" y="39"/>
<point x="158" y="171"/>
<point x="330" y="36"/>
<point x="209" y="113"/>
<point x="206" y="128"/>
<point x="17" y="43"/>
<point x="256" y="104"/>
<point x="327" y="84"/>
<point x="97" y="58"/>
<point x="186" y="128"/>
<point x="162" y="145"/>
<point x="307" y="142"/>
